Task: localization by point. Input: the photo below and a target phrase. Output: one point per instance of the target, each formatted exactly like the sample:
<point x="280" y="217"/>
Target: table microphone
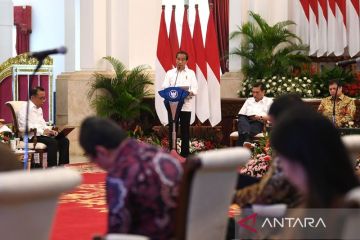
<point x="347" y="62"/>
<point x="45" y="53"/>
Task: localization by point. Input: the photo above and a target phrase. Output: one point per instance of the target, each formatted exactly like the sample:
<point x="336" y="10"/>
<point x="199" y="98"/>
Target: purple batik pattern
<point x="142" y="189"/>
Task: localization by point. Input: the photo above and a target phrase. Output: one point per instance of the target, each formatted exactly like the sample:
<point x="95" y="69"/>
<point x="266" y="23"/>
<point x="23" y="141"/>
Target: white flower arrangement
<point x="276" y="86"/>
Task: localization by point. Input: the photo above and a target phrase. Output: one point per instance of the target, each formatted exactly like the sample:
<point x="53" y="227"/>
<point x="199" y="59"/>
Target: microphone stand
<point x="334" y="105"/>
<point x="26" y="135"/>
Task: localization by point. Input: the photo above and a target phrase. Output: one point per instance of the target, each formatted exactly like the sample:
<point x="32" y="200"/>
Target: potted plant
<point x="269" y="50"/>
<point x="122" y="95"/>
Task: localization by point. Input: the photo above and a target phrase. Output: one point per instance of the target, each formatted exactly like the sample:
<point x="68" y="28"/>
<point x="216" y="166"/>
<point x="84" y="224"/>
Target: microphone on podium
<point x="347" y="62"/>
<point x="43" y="54"/>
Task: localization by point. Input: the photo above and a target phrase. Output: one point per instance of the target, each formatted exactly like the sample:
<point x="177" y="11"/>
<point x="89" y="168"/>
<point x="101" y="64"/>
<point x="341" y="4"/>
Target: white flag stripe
<point x="202" y="98"/>
<point x="340" y="33"/>
<point x="353" y="29"/>
<point x="331" y="28"/>
<point x="302" y="23"/>
<point x="214" y="98"/>
<point x="331" y="31"/>
<point x="322" y="44"/>
<point x="314" y="29"/>
<point x="193" y="115"/>
<point x="159" y="101"/>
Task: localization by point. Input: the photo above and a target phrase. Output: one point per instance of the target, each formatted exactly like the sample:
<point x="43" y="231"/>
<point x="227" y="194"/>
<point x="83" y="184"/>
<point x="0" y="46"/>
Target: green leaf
<point x="120" y="96"/>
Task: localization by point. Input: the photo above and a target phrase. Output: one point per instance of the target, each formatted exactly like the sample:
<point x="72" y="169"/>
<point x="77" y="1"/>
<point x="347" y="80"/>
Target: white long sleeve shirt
<point x="36" y="119"/>
<point x="184" y="78"/>
<point x="260" y="108"/>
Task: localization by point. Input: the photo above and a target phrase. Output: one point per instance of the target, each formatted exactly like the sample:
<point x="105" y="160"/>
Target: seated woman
<point x="313" y="158"/>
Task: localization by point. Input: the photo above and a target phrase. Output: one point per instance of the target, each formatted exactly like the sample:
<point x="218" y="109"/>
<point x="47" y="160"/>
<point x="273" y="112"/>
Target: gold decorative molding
<point x="22" y="59"/>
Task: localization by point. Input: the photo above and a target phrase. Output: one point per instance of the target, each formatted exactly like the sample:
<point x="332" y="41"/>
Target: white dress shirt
<point x="36" y="119"/>
<point x="184" y="78"/>
<point x="260" y="108"/>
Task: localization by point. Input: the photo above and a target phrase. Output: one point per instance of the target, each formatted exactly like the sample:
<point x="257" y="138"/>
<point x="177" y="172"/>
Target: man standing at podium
<point x="183" y="77"/>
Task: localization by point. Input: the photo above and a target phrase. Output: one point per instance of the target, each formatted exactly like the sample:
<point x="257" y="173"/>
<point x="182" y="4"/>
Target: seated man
<point x="344" y="106"/>
<point x="142" y="182"/>
<point x="44" y="133"/>
<point x="253" y="114"/>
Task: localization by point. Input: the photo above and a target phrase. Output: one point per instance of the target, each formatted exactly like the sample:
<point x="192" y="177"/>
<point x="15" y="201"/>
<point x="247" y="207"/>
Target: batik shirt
<point x="344" y="109"/>
<point x="142" y="189"/>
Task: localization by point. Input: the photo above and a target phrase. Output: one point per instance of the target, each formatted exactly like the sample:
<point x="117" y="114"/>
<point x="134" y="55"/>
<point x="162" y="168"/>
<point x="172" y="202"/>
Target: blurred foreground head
<point x="283" y="103"/>
<point x="312" y="156"/>
<point x="99" y="137"/>
<point x="8" y="160"/>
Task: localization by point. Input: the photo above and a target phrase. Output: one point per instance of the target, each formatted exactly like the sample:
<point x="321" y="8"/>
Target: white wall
<point x="48" y="27"/>
<point x="6" y="29"/>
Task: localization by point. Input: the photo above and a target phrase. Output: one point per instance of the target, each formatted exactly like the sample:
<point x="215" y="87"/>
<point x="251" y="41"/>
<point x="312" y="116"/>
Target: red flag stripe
<point x="342" y="7"/>
<point x="163" y="48"/>
<point x="332" y="6"/>
<point x="323" y="6"/>
<point x="314" y="7"/>
<point x="199" y="44"/>
<point x="356" y="4"/>
<point x="305" y="5"/>
<point x="174" y="42"/>
<point x="211" y="48"/>
<point x="186" y="41"/>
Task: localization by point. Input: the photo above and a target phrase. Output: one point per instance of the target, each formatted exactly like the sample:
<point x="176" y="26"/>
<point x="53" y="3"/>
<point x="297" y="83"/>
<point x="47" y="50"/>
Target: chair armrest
<point x="234" y="125"/>
<point x="34" y="130"/>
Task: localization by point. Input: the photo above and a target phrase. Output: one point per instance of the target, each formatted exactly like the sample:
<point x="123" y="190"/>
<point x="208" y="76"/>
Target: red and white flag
<point x="322" y="16"/>
<point x="174" y="42"/>
<point x="213" y="70"/>
<point x="187" y="46"/>
<point x="353" y="26"/>
<point x="340" y="30"/>
<point x="314" y="27"/>
<point x="331" y="27"/>
<point x="186" y="41"/>
<point x="202" y="97"/>
<point x="302" y="20"/>
<point x="162" y="65"/>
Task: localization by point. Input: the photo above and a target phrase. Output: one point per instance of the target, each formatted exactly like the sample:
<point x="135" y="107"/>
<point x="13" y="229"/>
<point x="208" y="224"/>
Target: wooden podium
<point x="15" y="76"/>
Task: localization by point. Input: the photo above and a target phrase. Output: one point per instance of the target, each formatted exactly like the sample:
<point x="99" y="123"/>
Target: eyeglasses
<point x="41" y="98"/>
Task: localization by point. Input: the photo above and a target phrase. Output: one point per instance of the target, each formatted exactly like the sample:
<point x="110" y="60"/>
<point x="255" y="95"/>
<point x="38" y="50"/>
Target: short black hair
<point x="34" y="91"/>
<point x="259" y="84"/>
<point x="95" y="131"/>
<point x="335" y="81"/>
<point x="184" y="53"/>
<point x="284" y="102"/>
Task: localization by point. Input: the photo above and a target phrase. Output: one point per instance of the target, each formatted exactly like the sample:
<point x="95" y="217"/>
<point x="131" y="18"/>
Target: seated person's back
<point x="142" y="181"/>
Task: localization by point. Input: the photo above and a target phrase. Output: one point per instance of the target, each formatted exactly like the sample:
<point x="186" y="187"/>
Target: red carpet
<point x="82" y="213"/>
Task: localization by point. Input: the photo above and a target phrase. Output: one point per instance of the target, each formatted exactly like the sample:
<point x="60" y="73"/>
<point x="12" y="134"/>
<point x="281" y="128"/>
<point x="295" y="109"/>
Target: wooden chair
<point x="28" y="201"/>
<point x="352" y="143"/>
<point x="39" y="148"/>
<point x="206" y="193"/>
<point x="351" y="223"/>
